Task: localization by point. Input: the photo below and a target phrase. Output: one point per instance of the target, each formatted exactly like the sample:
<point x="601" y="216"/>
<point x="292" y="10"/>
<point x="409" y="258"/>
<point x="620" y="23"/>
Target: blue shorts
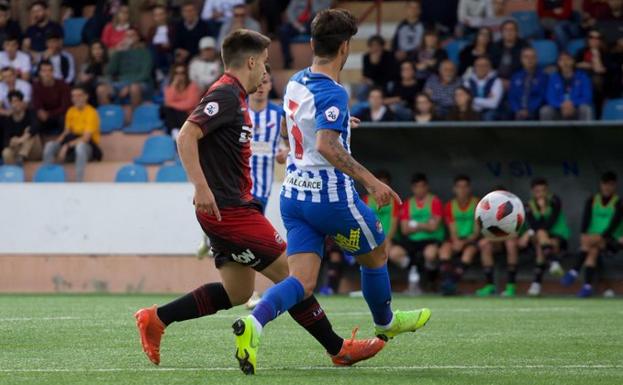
<point x="354" y="227"/>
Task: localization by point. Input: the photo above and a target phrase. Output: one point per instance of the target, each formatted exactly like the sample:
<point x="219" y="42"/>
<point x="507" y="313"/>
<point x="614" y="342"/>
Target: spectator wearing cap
<point x="188" y="32"/>
<point x="181" y="96"/>
<point x="40" y="29"/>
<point x="63" y="61"/>
<point x="13" y="57"/>
<point x="50" y="100"/>
<point x="160" y="38"/>
<point x="441" y="86"/>
<point x="376" y="110"/>
<point x="379" y="65"/>
<point x="8" y="26"/>
<point x="487" y="89"/>
<point x="205" y="68"/>
<point x="21" y="139"/>
<point x="409" y="33"/>
<point x="10" y="82"/>
<point x="526" y="94"/>
<point x="114" y="31"/>
<point x="240" y="20"/>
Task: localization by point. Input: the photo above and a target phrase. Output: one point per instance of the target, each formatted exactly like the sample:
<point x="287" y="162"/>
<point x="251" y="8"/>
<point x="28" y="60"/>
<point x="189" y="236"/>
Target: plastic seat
<point x="145" y="119"/>
<point x="575" y="46"/>
<point x="11" y="174"/>
<point x="171" y="174"/>
<point x="132" y="173"/>
<point x="529" y="24"/>
<point x="454" y="49"/>
<point x="50" y="173"/>
<point x="546" y="51"/>
<point x="73" y="27"/>
<point x="111" y="118"/>
<point x="157" y="150"/>
<point x="613" y="110"/>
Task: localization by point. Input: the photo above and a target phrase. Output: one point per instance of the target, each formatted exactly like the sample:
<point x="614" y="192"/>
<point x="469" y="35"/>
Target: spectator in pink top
<point x="114" y="32"/>
<point x="181" y="96"/>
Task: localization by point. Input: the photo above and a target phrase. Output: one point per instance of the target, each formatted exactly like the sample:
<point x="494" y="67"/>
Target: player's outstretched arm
<point x="328" y="144"/>
<point x="189" y="154"/>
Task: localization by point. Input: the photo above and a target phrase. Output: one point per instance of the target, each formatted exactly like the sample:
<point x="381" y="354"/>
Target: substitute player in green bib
<point x="602" y="229"/>
<point x="388" y="215"/>
<point x="459" y="215"/>
<point x="549" y="232"/>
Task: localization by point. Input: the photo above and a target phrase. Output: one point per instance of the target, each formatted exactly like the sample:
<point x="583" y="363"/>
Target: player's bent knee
<point x="375" y="259"/>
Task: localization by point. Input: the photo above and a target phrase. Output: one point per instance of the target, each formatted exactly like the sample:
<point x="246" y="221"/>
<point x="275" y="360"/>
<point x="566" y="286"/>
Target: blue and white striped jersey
<point x="266" y="126"/>
<point x="314" y="101"/>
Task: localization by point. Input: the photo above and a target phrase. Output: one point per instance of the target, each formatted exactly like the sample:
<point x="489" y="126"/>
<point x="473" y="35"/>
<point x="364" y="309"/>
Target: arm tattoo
<point x="343" y="160"/>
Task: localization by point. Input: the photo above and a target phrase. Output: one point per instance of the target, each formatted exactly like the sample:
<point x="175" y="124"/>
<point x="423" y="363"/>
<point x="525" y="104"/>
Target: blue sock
<point x="378" y="293"/>
<point x="278" y="299"/>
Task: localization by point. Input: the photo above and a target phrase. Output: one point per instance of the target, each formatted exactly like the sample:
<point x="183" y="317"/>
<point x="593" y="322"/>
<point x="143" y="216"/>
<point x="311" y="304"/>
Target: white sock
<point x="257" y="324"/>
<point x="389" y="325"/>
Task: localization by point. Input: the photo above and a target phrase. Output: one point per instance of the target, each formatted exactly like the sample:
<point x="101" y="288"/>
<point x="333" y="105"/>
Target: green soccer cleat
<point x="486" y="291"/>
<point x="247" y="344"/>
<point x="404" y="321"/>
<point x="510" y="290"/>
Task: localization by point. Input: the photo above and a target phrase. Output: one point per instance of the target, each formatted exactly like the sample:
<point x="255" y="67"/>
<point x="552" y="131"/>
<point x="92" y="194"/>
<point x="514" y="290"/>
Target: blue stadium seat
<point x="613" y="110"/>
<point x="11" y="174"/>
<point x="546" y="51"/>
<point x="529" y="24"/>
<point x="157" y="150"/>
<point x="454" y="49"/>
<point x="145" y="119"/>
<point x="132" y="173"/>
<point x="111" y="118"/>
<point x="575" y="46"/>
<point x="50" y="173"/>
<point x="171" y="173"/>
<point x="73" y="30"/>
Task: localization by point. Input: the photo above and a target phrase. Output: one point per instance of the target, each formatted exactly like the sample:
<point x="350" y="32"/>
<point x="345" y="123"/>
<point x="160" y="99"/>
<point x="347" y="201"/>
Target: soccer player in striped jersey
<point x="318" y="197"/>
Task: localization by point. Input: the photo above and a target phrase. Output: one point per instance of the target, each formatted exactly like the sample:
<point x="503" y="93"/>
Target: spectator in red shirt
<point x="557" y="18"/>
<point x="114" y="32"/>
<point x="51" y="99"/>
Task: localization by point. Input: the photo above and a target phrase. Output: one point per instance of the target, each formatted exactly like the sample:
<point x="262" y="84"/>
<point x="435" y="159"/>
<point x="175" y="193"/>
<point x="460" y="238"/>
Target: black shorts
<point x="417" y="247"/>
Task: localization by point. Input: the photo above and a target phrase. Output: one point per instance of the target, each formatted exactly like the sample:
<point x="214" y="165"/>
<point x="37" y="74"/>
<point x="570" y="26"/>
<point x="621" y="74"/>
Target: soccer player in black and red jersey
<point x="215" y="146"/>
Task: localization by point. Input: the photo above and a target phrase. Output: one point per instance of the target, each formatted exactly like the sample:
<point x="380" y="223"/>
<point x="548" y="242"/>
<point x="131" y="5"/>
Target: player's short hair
<point x="462" y="178"/>
<point x="329" y="29"/>
<point x="538" y="182"/>
<point x="419" y="177"/>
<point x="383" y="174"/>
<point x="608" y="177"/>
<point x="15" y="94"/>
<point x="376" y="39"/>
<point x="241" y="44"/>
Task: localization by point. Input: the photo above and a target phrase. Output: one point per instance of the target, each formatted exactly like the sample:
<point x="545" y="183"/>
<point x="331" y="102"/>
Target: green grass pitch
<point x="91" y="339"/>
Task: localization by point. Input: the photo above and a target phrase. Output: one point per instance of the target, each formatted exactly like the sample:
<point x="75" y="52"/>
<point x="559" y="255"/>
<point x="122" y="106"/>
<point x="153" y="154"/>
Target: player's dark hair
<point x="608" y="176"/>
<point x="329" y="29"/>
<point x="538" y="182"/>
<point x="42" y="3"/>
<point x="15" y="94"/>
<point x="376" y="39"/>
<point x="419" y="177"/>
<point x="383" y="174"/>
<point x="241" y="44"/>
<point x="462" y="178"/>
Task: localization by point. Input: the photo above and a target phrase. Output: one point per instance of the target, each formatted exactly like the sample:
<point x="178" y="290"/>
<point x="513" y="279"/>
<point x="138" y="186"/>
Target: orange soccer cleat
<point x="354" y="350"/>
<point x="151" y="330"/>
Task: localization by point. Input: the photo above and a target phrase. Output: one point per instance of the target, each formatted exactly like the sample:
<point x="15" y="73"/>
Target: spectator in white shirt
<point x="486" y="87"/>
<point x="13" y="57"/>
<point x="472" y="15"/>
<point x="205" y="68"/>
<point x="9" y="83"/>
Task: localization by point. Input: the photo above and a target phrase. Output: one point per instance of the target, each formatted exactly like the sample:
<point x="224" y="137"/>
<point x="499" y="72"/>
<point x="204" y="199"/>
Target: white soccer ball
<point x="500" y="215"/>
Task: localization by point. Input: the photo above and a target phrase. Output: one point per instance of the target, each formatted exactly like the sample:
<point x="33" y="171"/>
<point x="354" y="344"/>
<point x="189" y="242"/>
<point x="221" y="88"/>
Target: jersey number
<point x="296" y="131"/>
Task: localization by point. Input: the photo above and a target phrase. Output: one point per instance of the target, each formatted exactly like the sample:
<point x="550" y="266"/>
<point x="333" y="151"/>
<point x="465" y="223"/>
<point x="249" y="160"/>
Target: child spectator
<point x="463" y="111"/>
<point x="441" y="87"/>
<point x="428" y="56"/>
<point x="409" y="33"/>
<point x="92" y="73"/>
<point x="472" y="15"/>
<point x="40" y="29"/>
<point x="594" y="59"/>
<point x="8" y="26"/>
<point x="13" y="57"/>
<point x="9" y="83"/>
<point x="378" y="64"/>
<point x="401" y="95"/>
<point x="51" y="99"/>
<point x="115" y="30"/>
<point x="528" y="86"/>
<point x="376" y="110"/>
<point x="160" y="38"/>
<point x="557" y="18"/>
<point x="188" y="31"/>
<point x="240" y="20"/>
<point x="181" y="96"/>
<point x="206" y="67"/>
<point x="80" y="139"/>
<point x="482" y="46"/>
<point x="63" y="61"/>
<point x="21" y="139"/>
<point x="505" y="54"/>
<point x="424" y="111"/>
<point x="569" y="93"/>
<point x="487" y="89"/>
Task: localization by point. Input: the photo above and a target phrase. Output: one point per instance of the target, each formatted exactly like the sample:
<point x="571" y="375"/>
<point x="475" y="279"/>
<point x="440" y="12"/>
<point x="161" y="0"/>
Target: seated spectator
<point x="206" y="67"/>
<point x="241" y="19"/>
<point x="63" y="61"/>
<point x="594" y="59"/>
<point x="557" y="18"/>
<point x="401" y="94"/>
<point x="181" y="96"/>
<point x="472" y="15"/>
<point x="409" y="33"/>
<point x="482" y="46"/>
<point x="592" y="11"/>
<point x="160" y="38"/>
<point x="487" y="89"/>
<point x="505" y="54"/>
<point x="8" y="26"/>
<point x="187" y="33"/>
<point x="299" y="16"/>
<point x="569" y="93"/>
<point x="378" y="64"/>
<point x="79" y="141"/>
<point x="114" y="31"/>
<point x="21" y="139"/>
<point x="424" y="111"/>
<point x="428" y="56"/>
<point x="463" y="110"/>
<point x="13" y="57"/>
<point x="376" y="110"/>
<point x="92" y="72"/>
<point x="130" y="71"/>
<point x="51" y="99"/>
<point x="9" y="83"/>
<point x="526" y="94"/>
<point x="497" y="20"/>
<point x="441" y="87"/>
<point x="40" y="29"/>
<point x="216" y="12"/>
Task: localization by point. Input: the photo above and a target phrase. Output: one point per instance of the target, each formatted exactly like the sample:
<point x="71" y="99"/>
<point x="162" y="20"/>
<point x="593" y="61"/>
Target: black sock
<point x="334" y="275"/>
<point x="310" y="315"/>
<point x="512" y="273"/>
<point x="580" y="262"/>
<point x="489" y="275"/>
<point x="538" y="272"/>
<point x="204" y="300"/>
<point x="589" y="271"/>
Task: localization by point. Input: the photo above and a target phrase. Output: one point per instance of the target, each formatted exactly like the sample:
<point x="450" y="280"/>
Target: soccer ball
<point x="500" y="215"/>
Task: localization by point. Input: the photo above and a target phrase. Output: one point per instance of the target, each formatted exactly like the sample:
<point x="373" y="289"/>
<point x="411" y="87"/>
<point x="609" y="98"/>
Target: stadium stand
<point x="50" y="173"/>
<point x="157" y="149"/>
<point x="171" y="174"/>
<point x="145" y="119"/>
<point x="11" y="174"/>
<point x="111" y="118"/>
<point x="132" y="173"/>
